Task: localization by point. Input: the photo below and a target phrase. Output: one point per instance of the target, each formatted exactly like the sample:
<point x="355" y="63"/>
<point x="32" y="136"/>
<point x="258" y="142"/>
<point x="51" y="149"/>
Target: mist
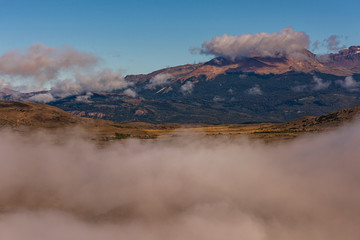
<point x="185" y="188"/>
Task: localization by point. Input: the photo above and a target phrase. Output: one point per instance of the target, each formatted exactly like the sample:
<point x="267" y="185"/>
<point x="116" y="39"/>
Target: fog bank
<point x="182" y="189"/>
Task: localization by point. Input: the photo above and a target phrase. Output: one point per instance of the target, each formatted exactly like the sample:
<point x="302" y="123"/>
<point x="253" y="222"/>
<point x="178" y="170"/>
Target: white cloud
<point x="130" y="92"/>
<point x="105" y="80"/>
<point x="320" y="84"/>
<point x="160" y="79"/>
<point x="256" y="90"/>
<point x="286" y="42"/>
<point x="349" y="83"/>
<point x="85" y="98"/>
<point x="187" y="88"/>
<point x="42" y="98"/>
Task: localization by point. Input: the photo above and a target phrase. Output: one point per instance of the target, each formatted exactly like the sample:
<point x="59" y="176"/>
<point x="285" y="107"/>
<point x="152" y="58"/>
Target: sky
<point x="142" y="36"/>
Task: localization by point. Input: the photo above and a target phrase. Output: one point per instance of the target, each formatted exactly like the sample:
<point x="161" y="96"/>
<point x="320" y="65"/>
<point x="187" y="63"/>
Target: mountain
<point x="344" y="63"/>
<point x="220" y="91"/>
<point x="15" y="114"/>
<point x="348" y="59"/>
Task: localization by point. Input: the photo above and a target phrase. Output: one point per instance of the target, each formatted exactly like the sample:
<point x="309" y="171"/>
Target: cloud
<point x="85" y="98"/>
<point x="256" y="90"/>
<point x="349" y="84"/>
<point x="188" y="188"/>
<point x="105" y="80"/>
<point x="43" y="63"/>
<point x="160" y="79"/>
<point x="42" y="98"/>
<point x="187" y="88"/>
<point x="320" y="84"/>
<point x="218" y="99"/>
<point x="130" y="92"/>
<point x="315" y="45"/>
<point x="286" y="42"/>
<point x="332" y="43"/>
<point x="299" y="88"/>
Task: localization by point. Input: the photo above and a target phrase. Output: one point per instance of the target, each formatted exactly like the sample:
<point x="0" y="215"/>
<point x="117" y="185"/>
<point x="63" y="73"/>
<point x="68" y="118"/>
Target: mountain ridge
<point x="336" y="63"/>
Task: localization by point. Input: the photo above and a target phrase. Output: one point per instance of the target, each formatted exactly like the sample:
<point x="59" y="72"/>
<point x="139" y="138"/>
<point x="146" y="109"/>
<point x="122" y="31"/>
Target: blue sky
<point x="143" y="36"/>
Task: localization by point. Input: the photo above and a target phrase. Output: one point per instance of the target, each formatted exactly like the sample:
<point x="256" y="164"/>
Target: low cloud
<point x="218" y="99"/>
<point x="130" y="93"/>
<point x="187" y="88"/>
<point x="188" y="188"/>
<point x="286" y="42"/>
<point x="43" y="63"/>
<point x="299" y="88"/>
<point x="42" y="98"/>
<point x="256" y="90"/>
<point x="161" y="79"/>
<point x="85" y="98"/>
<point x="105" y="80"/>
<point x="349" y="84"/>
<point x="320" y="84"/>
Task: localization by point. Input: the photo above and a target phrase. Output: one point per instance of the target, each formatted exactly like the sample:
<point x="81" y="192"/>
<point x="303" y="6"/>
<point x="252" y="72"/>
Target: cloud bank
<point x="286" y="42"/>
<point x="183" y="189"/>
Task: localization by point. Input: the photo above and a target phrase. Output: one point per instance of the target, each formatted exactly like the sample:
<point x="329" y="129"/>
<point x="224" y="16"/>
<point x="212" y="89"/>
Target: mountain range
<point x="249" y="89"/>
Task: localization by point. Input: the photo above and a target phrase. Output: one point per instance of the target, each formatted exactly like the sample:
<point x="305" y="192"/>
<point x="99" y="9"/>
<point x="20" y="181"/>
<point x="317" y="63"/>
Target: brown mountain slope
<point x="323" y="122"/>
<point x="344" y="63"/>
<point x="33" y="116"/>
<point x="14" y="114"/>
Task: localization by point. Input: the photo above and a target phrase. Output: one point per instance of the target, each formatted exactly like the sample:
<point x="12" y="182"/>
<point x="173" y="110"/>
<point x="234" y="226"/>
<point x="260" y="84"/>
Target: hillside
<point x="15" y="114"/>
<point x="25" y="117"/>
